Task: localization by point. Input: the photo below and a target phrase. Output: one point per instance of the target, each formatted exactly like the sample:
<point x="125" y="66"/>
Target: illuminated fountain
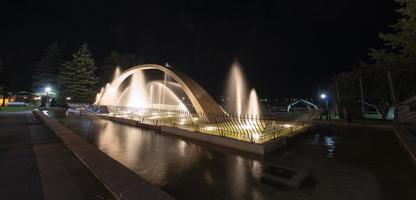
<point x="237" y="93"/>
<point x="236" y="89"/>
<point x="253" y="104"/>
<point x="177" y="101"/>
<point x="139" y="94"/>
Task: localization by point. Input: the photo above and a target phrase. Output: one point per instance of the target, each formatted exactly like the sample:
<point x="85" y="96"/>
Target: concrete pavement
<point x="34" y="164"/>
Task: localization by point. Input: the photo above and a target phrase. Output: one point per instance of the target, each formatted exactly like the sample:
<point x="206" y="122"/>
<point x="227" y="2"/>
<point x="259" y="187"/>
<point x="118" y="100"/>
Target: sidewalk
<point x="34" y="164"/>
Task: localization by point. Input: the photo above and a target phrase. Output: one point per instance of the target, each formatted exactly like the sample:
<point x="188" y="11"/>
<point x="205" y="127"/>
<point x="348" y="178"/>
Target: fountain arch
<point x="200" y="99"/>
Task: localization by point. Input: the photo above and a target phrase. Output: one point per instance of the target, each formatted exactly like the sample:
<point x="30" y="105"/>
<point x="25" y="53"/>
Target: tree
<point x="77" y="77"/>
<point x="114" y="60"/>
<point x="46" y="69"/>
<point x="398" y="56"/>
<point x="399" y="52"/>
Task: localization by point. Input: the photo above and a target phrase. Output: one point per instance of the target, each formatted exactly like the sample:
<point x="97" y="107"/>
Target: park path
<point x="34" y="164"/>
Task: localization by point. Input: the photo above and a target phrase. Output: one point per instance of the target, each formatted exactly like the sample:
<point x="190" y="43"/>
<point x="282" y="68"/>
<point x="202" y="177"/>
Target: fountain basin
<point x="251" y="147"/>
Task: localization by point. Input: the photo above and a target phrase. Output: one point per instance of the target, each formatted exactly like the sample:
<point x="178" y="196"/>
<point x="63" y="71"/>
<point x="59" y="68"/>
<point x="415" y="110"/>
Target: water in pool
<point x="343" y="163"/>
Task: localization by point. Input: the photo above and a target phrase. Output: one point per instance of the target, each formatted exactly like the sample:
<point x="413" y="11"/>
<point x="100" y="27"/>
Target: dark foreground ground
<point x="34" y="164"/>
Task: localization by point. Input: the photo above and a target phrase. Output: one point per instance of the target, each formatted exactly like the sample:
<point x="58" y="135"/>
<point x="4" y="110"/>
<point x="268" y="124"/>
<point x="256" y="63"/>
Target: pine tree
<point x="77" y="77"/>
<point x="47" y="68"/>
<point x="399" y="52"/>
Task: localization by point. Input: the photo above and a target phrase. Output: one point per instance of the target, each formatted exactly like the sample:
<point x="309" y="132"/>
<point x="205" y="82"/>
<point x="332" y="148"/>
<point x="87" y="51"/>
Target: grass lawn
<point x="17" y="108"/>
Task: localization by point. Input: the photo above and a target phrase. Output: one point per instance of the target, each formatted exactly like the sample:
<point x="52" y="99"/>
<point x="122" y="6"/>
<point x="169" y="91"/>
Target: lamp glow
<point x="323" y="96"/>
<point x="48" y="89"/>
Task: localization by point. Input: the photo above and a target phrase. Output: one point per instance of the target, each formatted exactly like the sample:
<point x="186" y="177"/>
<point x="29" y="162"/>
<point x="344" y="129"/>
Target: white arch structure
<point x="200" y="99"/>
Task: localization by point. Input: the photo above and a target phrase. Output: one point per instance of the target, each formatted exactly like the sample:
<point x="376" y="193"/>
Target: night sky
<point x="285" y="46"/>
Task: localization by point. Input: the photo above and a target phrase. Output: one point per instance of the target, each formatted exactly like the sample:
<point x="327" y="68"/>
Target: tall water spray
<point x="253" y="104"/>
<point x="137" y="91"/>
<point x="236" y="89"/>
<point x="117" y="72"/>
<point x="237" y="93"/>
<point x="139" y="94"/>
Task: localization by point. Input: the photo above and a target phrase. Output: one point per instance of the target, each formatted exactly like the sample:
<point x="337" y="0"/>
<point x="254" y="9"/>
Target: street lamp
<point x="47" y="90"/>
<point x="324" y="97"/>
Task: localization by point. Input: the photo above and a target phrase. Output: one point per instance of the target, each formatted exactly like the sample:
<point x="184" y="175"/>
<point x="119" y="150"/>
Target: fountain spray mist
<point x="253" y="104"/>
<point x="117" y="73"/>
<point x="137" y="91"/>
<point x="236" y="89"/>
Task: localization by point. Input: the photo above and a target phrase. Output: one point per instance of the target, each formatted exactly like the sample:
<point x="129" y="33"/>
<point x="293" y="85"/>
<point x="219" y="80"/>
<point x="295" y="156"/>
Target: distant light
<point x="323" y="96"/>
<point x="48" y="89"/>
<point x="68" y="98"/>
<point x="287" y="125"/>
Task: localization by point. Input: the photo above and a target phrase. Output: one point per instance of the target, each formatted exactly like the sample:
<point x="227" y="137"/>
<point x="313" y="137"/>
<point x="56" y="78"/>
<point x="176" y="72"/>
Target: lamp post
<point x="47" y="90"/>
<point x="324" y="97"/>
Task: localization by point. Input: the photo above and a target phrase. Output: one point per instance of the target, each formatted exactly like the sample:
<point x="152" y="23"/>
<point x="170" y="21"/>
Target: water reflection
<point x="187" y="170"/>
<point x="329" y="141"/>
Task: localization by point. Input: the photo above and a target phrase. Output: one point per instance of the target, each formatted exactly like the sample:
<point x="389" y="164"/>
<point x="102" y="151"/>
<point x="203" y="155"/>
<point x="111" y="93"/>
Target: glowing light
<point x="253" y="104"/>
<point x="323" y="96"/>
<point x="236" y="88"/>
<point x="287" y="125"/>
<point x="256" y="136"/>
<point x="155" y="117"/>
<point x="68" y="98"/>
<point x="195" y="119"/>
<point x="48" y="89"/>
<point x="210" y="128"/>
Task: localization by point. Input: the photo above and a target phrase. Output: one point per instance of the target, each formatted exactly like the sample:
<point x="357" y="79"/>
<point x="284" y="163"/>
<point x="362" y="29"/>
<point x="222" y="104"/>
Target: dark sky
<point x="285" y="46"/>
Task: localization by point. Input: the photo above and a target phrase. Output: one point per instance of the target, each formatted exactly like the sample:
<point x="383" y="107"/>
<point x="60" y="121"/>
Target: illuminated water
<point x="343" y="163"/>
<point x="139" y="93"/>
<point x="236" y="89"/>
<point x="237" y="93"/>
<point x="253" y="104"/>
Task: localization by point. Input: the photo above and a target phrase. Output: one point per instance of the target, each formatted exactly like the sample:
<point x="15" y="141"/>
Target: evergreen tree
<point x="398" y="56"/>
<point x="399" y="52"/>
<point x="46" y="69"/>
<point x="77" y="77"/>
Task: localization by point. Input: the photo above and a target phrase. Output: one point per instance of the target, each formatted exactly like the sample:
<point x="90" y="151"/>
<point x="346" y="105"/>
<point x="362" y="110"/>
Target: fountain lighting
<point x="154" y="117"/>
<point x="253" y="104"/>
<point x="287" y="125"/>
<point x="236" y="89"/>
<point x="247" y="126"/>
<point x="138" y="93"/>
<point x="210" y="128"/>
<point x="237" y="93"/>
<point x="117" y="73"/>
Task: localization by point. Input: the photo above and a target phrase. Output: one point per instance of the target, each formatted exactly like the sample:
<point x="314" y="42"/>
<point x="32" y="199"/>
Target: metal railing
<point x="251" y="128"/>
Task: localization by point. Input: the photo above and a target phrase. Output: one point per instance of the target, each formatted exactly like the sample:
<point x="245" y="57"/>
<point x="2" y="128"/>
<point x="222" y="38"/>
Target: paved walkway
<point x="34" y="164"/>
